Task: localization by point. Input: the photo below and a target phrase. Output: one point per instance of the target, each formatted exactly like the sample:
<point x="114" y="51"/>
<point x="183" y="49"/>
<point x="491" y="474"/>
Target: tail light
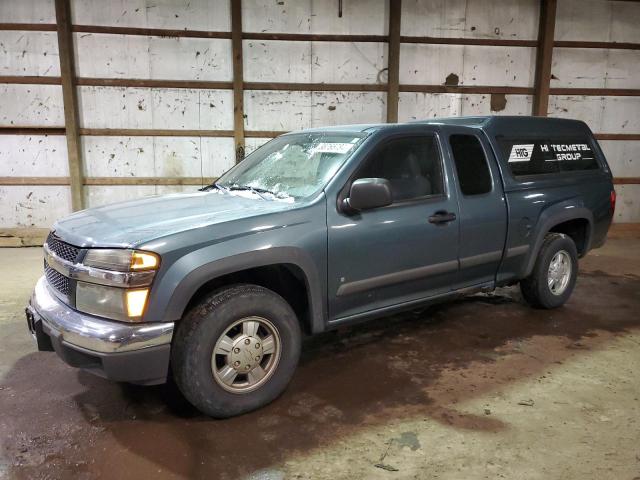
<point x="612" y="201"/>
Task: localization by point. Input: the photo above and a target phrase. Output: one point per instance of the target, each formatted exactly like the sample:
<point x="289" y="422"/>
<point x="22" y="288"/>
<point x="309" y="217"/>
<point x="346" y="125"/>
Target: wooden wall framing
<point x="70" y="101"/>
<point x="69" y="81"/>
<point x="544" y="55"/>
<point x="238" y="78"/>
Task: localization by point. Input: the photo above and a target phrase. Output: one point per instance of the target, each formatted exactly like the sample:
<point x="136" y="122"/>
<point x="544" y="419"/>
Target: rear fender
<point x="552" y="216"/>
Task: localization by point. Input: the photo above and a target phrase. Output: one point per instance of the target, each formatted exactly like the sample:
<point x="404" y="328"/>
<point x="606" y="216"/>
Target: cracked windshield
<point x="290" y="167"/>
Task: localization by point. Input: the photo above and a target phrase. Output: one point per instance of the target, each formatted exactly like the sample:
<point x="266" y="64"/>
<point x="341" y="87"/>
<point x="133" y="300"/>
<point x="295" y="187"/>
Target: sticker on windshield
<point x="332" y="148"/>
<point x="521" y="153"/>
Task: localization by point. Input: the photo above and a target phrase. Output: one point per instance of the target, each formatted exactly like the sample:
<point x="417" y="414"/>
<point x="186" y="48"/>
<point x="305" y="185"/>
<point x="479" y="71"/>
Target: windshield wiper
<point x="206" y="188"/>
<point x="258" y="191"/>
<point x="264" y="190"/>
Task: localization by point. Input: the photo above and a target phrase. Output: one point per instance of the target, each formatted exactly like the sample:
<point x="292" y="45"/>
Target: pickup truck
<point x="314" y="230"/>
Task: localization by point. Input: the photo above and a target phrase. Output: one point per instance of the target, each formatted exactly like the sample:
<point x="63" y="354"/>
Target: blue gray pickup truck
<point x="315" y="230"/>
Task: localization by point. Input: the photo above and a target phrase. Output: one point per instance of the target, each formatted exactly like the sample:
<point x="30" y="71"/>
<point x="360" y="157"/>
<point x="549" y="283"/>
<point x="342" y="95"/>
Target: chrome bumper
<point x="92" y="333"/>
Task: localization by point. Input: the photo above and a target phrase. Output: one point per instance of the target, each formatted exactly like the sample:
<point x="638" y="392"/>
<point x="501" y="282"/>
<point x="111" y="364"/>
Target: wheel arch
<point x="271" y="268"/>
<point x="561" y="218"/>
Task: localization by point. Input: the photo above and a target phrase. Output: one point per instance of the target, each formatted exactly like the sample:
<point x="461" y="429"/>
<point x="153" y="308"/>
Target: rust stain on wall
<point x="451" y="80"/>
<point x="498" y="102"/>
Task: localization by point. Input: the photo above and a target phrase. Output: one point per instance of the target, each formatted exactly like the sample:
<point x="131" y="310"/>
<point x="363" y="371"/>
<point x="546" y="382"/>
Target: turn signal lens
<point x="136" y="301"/>
<point x="144" y="261"/>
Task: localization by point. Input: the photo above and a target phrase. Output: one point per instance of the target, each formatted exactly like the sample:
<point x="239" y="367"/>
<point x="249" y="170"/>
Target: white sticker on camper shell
<point x="333" y="148"/>
<point x="567" y="151"/>
<point x="521" y="153"/>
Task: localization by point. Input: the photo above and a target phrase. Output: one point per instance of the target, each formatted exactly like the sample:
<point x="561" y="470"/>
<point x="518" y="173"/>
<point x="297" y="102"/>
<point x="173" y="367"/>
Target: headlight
<point x="107" y="279"/>
<point x="121" y="260"/>
<point x="111" y="302"/>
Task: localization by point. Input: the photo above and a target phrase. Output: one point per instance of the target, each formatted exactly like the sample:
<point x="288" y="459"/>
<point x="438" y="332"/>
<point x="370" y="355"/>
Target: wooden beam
<point x="70" y="101"/>
<point x="393" y="66"/>
<point x="617" y="136"/>
<point x="626" y="181"/>
<point x="316" y="37"/>
<point x="23" y="236"/>
<point x="544" y="55"/>
<point x="313" y="37"/>
<point x="151" y="32"/>
<point x="154" y="132"/>
<point x="32" y="131"/>
<point x="263" y="133"/>
<point x="319" y="87"/>
<point x="106" y="181"/>
<point x="491" y="42"/>
<point x="32" y="181"/>
<point x="238" y="82"/>
<point x="144" y="82"/>
<point x="316" y="87"/>
<point x="48" y="181"/>
<point x="603" y="45"/>
<point x="597" y="92"/>
<point x="481" y="89"/>
<point x="134" y="132"/>
<point x="29" y="27"/>
<point x="29" y="80"/>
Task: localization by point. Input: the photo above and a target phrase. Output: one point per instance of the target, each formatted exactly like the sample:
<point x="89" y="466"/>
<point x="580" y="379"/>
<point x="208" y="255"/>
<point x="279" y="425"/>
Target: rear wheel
<point x="236" y="351"/>
<point x="554" y="274"/>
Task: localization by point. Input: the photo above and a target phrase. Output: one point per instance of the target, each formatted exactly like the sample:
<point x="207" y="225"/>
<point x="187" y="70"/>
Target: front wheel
<point x="554" y="274"/>
<point x="236" y="351"/>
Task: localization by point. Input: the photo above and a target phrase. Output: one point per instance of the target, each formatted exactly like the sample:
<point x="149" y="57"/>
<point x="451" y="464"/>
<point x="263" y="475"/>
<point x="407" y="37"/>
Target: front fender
<point x="549" y="218"/>
<point x="192" y="271"/>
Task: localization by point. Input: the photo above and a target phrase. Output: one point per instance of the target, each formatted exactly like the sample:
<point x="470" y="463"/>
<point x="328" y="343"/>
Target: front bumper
<point x="125" y="352"/>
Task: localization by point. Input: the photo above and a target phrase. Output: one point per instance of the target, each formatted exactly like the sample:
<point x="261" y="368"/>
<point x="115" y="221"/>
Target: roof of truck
<point x="493" y="125"/>
<point x="502" y="121"/>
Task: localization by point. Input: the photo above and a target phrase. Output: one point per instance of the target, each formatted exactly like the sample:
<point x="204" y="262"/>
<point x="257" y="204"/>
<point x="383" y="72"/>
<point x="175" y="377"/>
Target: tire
<point x="203" y="329"/>
<point x="536" y="289"/>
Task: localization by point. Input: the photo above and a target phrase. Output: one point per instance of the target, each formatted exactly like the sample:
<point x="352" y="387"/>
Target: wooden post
<point x="544" y="55"/>
<point x="395" y="14"/>
<point x="70" y="101"/>
<point x="238" y="93"/>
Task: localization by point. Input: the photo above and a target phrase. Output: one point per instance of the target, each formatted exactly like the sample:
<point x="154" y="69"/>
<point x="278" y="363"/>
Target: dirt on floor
<point x="484" y="387"/>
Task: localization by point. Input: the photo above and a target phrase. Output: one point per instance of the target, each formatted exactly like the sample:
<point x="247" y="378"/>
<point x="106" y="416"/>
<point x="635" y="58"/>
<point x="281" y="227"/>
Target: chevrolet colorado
<point x="313" y="230"/>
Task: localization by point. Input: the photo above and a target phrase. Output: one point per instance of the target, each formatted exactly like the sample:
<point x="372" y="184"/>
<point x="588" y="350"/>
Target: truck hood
<point x="132" y="223"/>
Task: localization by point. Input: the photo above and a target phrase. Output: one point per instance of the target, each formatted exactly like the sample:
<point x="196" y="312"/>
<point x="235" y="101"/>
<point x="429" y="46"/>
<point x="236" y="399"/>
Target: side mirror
<point x="369" y="193"/>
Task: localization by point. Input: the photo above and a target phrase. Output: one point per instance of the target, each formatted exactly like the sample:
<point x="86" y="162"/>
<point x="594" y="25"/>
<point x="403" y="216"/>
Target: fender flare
<point x="559" y="213"/>
<point x="197" y="277"/>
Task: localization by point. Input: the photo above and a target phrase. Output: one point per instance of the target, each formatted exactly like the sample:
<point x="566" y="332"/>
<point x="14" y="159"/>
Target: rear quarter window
<point x="544" y="156"/>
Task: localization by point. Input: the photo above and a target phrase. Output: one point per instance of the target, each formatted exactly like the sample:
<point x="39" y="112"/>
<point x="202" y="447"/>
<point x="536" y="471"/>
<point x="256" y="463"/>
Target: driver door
<point x="405" y="251"/>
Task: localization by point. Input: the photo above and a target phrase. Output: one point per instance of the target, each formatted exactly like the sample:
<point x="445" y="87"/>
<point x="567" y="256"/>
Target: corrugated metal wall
<point x="156" y="98"/>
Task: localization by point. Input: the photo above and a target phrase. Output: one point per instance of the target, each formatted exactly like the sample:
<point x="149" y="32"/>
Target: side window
<point x="412" y="165"/>
<point x="471" y="164"/>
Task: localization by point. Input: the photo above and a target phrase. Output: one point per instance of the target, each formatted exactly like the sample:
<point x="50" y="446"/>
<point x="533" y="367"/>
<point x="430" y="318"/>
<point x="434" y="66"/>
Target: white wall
<point x="592" y="20"/>
<point x="30" y="53"/>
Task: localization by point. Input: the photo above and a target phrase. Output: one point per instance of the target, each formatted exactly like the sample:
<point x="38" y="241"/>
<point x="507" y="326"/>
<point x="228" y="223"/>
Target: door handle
<point x="442" y="217"/>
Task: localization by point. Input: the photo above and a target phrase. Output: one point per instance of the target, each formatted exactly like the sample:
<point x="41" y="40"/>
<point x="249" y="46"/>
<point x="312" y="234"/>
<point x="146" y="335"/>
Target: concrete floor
<point x="481" y="388"/>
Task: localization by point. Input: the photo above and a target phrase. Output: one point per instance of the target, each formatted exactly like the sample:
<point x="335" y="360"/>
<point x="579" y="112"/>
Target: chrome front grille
<point x="58" y="281"/>
<point x="61" y="249"/>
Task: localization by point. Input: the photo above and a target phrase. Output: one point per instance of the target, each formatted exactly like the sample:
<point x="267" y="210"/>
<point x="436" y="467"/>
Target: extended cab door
<point x="482" y="206"/>
<point x="402" y="252"/>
